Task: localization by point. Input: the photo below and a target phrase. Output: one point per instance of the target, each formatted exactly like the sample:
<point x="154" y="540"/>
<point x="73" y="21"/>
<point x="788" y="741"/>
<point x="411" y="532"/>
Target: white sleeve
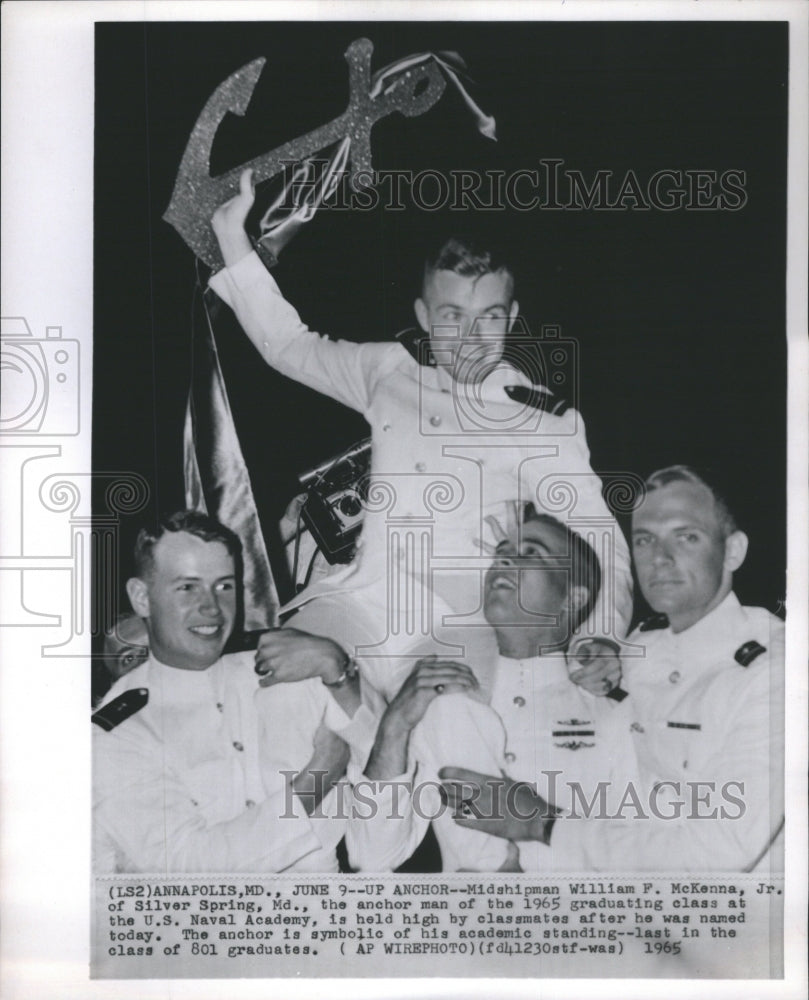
<point x="383" y="830"/>
<point x="359" y="730"/>
<point x="458" y="731"/>
<point x="147" y="812"/>
<point x="341" y="369"/>
<point x="572" y="489"/>
<point x="455" y="731"/>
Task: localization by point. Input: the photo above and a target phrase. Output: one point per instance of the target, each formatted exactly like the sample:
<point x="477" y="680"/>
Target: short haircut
<point x="585" y="568"/>
<point x="688" y="474"/>
<point x="193" y="523"/>
<point x="469" y="257"/>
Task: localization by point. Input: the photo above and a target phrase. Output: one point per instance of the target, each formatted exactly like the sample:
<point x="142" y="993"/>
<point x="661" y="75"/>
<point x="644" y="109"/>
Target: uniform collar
<point x="542" y="671"/>
<point x="177" y="685"/>
<point x="719" y="629"/>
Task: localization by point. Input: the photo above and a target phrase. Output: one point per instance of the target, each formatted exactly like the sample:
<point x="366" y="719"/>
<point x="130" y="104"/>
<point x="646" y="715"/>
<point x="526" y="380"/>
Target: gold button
<point x="220" y="706"/>
<point x="421" y="467"/>
<point x="519" y="701"/>
<point x="510" y="758"/>
<point x="237" y="745"/>
<point x="435" y="421"/>
<point x="250" y="804"/>
<point x="385" y="427"/>
<point x="674" y="676"/>
<point x="636" y="727"/>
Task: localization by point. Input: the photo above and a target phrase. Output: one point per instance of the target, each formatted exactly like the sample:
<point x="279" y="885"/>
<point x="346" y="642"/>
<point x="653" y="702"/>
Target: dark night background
<point x="679" y="316"/>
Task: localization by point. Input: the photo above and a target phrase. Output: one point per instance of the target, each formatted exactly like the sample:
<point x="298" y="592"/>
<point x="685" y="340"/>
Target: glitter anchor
<point x="410" y="86"/>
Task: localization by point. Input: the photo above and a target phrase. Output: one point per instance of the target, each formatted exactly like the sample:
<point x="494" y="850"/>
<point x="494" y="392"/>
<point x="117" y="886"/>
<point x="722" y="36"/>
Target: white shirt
<point x="193" y="782"/>
<point x="697" y="715"/>
<point x="540" y="728"/>
<point x="444" y="455"/>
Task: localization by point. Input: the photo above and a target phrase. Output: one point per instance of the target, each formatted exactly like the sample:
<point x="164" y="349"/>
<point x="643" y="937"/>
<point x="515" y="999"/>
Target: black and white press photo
<point x="429" y="575"/>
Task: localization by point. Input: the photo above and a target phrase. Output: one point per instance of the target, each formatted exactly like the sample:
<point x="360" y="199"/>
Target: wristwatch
<point x="350" y="671"/>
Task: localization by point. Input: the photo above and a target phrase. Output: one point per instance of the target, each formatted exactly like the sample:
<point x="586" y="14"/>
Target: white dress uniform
<point x="444" y="455"/>
<point x="192" y="781"/>
<point x="540" y="728"/>
<point x="705" y="706"/>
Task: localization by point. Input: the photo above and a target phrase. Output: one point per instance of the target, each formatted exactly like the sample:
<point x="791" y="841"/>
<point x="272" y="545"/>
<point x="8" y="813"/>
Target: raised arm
<point x="343" y="370"/>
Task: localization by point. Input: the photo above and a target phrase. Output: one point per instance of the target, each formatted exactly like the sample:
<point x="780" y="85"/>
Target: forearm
<point x="389" y="753"/>
<point x="347" y="695"/>
<point x="314" y="782"/>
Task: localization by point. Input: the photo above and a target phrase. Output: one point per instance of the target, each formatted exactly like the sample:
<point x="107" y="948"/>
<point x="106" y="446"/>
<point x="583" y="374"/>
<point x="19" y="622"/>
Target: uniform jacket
<point x="706" y="715"/>
<point x="540" y="728"/>
<point x="443" y="457"/>
<point x="193" y="781"/>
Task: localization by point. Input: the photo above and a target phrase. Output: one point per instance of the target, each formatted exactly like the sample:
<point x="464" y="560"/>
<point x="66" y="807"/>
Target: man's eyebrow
<point x="682" y="526"/>
<point x="485" y="309"/>
<point x="538" y="542"/>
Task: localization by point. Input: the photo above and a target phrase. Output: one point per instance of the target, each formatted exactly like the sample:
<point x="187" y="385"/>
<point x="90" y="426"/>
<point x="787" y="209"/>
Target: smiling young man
<point x="196" y="767"/>
<point x="457" y="432"/>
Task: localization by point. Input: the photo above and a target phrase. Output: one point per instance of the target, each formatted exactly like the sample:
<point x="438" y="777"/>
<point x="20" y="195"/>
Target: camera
<point x="40" y="380"/>
<point x="335" y="501"/>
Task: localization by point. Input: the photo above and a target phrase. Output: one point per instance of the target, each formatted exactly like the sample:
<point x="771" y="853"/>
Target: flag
<point x="216" y="477"/>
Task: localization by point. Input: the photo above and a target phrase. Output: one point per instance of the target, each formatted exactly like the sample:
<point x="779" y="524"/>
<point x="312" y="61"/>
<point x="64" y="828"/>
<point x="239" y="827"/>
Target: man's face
<point x="126" y="646"/>
<point x="189" y="599"/>
<point x="525" y="584"/>
<point x="680" y="554"/>
<point x="467" y="320"/>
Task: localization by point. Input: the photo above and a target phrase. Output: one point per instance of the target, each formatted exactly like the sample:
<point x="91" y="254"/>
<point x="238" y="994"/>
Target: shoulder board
<point x="119" y="709"/>
<point x="417" y="344"/>
<point x="745" y="654"/>
<point x="654" y="622"/>
<point x="538" y="399"/>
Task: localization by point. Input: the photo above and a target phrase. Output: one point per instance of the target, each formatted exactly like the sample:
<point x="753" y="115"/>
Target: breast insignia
<point x="121" y="708"/>
<point x="745" y="654"/>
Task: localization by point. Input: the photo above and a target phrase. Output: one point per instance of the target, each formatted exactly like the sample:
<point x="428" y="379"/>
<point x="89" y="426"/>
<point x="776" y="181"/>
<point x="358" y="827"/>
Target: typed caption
<point x="389" y="926"/>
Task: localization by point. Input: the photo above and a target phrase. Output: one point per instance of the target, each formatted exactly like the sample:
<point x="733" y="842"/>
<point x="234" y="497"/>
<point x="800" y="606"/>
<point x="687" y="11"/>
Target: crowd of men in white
<point x="536" y="736"/>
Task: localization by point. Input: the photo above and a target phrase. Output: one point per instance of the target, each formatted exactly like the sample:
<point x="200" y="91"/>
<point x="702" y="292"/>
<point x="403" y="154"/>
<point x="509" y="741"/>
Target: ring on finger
<point x="439" y="689"/>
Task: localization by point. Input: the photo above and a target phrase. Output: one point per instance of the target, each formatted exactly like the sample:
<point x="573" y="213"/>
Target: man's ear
<point x="138" y="594"/>
<point x="576" y="598"/>
<point x="513" y="313"/>
<point x="735" y="550"/>
<point x="420" y="310"/>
